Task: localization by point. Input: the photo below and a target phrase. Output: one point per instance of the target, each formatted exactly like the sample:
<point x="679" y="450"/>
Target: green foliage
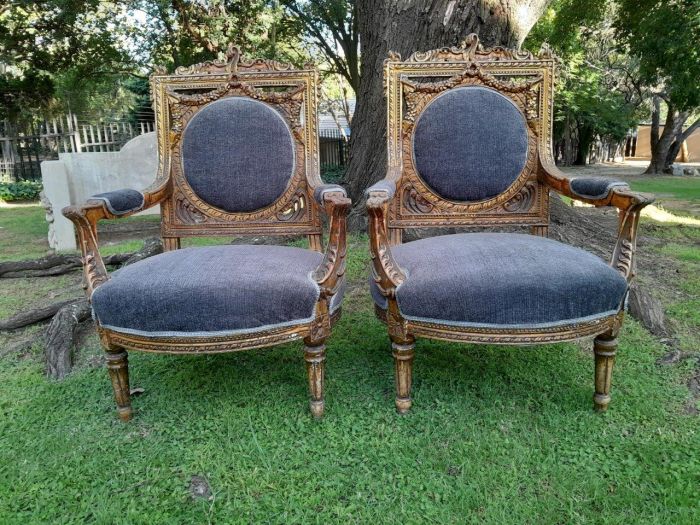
<point x="331" y="173"/>
<point x="686" y="188"/>
<point x="592" y="94"/>
<point x="183" y="32"/>
<point x="20" y="191"/>
<point x="664" y="35"/>
<point x="39" y="40"/>
<point x="332" y="27"/>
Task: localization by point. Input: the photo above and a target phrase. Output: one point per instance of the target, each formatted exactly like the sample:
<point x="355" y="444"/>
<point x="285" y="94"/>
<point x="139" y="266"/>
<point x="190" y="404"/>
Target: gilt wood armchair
<point x="238" y="155"/>
<point x="469" y="144"/>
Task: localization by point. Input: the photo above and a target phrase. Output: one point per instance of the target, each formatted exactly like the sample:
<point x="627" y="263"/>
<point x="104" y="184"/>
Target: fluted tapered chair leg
<point x="315" y="357"/>
<point x="118" y="367"/>
<point x="604" y="348"/>
<point x="403" y="364"/>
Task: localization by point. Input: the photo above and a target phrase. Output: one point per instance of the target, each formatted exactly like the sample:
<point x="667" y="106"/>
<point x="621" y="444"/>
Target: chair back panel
<point x="238" y="154"/>
<point x="470" y="144"/>
<point x="466" y="127"/>
<point x="238" y="143"/>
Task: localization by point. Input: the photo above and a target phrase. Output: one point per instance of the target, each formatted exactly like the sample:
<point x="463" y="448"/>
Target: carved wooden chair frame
<point x="298" y="211"/>
<point x="403" y="200"/>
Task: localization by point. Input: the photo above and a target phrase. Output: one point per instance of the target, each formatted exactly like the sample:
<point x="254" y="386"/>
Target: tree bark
<point x="585" y="139"/>
<point x="418" y="25"/>
<point x="662" y="144"/>
<point x="678" y="142"/>
<point x="60" y="338"/>
<point x="34" y="315"/>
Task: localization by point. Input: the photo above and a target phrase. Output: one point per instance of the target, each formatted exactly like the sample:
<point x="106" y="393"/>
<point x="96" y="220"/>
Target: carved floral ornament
<point x="183" y="106"/>
<point x="471" y="50"/>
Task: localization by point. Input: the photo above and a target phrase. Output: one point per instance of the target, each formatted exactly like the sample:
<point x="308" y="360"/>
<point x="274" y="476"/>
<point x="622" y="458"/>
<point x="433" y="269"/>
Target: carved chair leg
<point x="403" y="364"/>
<point x="541" y="231"/>
<point x="315" y="357"/>
<point x="118" y="367"/>
<point x="171" y="243"/>
<point x="604" y="348"/>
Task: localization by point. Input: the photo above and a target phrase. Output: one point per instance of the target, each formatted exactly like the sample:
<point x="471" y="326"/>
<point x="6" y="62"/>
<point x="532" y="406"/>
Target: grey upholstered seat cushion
<point x="238" y="154"/>
<point x="470" y="143"/>
<point x="594" y="187"/>
<point x="503" y="279"/>
<point x="120" y="201"/>
<point x="209" y="290"/>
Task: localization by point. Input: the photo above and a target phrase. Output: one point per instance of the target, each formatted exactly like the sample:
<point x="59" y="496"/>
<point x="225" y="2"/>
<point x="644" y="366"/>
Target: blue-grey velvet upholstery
<point x="120" y="201"/>
<point x="210" y="290"/>
<point x="503" y="279"/>
<point x="470" y="144"/>
<point x="321" y="190"/>
<point x="238" y="154"/>
<point x="385" y="186"/>
<point x="594" y="187"/>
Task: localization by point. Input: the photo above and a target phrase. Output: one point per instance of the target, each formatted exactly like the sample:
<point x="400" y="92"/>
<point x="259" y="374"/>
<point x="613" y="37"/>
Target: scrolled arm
<point x="599" y="191"/>
<point x="321" y="191"/>
<point x="120" y="202"/>
<point x="110" y="205"/>
<point x="329" y="273"/>
<point x="384" y="189"/>
<point x="385" y="270"/>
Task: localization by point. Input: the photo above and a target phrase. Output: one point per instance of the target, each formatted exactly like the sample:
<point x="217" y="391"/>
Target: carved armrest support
<point x="628" y="202"/>
<point x="630" y="205"/>
<point x="329" y="273"/>
<point x="85" y="218"/>
<point x="385" y="270"/>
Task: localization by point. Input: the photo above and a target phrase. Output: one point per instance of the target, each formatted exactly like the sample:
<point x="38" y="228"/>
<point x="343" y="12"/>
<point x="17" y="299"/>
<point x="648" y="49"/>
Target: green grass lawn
<point x="496" y="434"/>
<point x="684" y="188"/>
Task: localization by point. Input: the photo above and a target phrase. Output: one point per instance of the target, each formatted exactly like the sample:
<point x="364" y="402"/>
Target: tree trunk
<point x="420" y="25"/>
<point x="661" y="145"/>
<point x="678" y="142"/>
<point x="585" y="139"/>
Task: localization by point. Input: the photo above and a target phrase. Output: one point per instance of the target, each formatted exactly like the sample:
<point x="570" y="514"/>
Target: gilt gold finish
<point x="527" y="80"/>
<point x="177" y="98"/>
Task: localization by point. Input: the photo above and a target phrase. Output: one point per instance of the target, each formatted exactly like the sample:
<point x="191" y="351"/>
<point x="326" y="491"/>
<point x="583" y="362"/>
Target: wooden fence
<point x="333" y="148"/>
<point x="23" y="150"/>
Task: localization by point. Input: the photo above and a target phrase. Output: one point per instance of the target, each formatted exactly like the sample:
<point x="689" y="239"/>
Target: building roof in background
<point x="327" y="125"/>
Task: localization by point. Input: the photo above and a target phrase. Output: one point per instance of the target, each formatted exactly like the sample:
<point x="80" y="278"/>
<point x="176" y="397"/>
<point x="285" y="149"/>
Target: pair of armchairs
<point x="469" y="145"/>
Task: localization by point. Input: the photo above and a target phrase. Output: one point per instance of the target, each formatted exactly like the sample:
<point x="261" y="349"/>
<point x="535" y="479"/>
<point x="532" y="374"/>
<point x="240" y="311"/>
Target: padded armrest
<point x="386" y="186"/>
<point x="320" y="191"/>
<point x="121" y="201"/>
<point x="594" y="187"/>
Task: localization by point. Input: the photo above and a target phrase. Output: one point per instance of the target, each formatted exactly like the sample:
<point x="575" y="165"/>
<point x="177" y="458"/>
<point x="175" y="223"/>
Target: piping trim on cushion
<point x="507" y="326"/>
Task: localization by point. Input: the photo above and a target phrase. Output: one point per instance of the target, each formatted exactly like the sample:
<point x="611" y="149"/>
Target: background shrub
<point x="331" y="173"/>
<point x="20" y="191"/>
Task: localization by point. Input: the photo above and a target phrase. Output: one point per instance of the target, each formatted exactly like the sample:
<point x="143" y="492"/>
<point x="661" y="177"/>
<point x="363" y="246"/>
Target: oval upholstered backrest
<point x="470" y="144"/>
<point x="238" y="154"/>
